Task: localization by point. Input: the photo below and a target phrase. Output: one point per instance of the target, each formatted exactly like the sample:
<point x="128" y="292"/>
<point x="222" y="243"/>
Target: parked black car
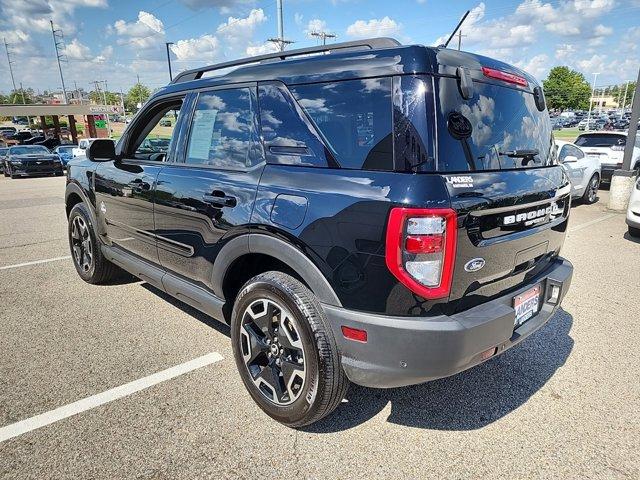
<point x="380" y="214"/>
<point x="27" y="160"/>
<point x="3" y="156"/>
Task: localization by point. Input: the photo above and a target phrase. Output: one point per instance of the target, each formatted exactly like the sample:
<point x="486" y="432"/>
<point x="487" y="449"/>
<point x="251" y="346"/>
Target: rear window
<point x="499" y="128"/>
<point x="355" y="117"/>
<point x="596" y="140"/>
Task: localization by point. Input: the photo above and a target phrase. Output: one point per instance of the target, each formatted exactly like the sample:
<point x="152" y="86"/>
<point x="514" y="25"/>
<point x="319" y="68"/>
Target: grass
<point x="566" y="134"/>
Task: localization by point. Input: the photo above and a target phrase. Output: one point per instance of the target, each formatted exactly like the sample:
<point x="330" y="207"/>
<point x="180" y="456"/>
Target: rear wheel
<point x="634" y="232"/>
<point x="85" y="250"/>
<point x="591" y="192"/>
<point x="285" y="350"/>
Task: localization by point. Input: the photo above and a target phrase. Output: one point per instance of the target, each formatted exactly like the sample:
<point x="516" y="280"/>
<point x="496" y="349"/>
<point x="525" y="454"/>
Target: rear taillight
<point x="504" y="76"/>
<point x="421" y="248"/>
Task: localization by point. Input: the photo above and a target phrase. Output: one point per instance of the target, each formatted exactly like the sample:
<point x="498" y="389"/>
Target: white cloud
<point x="206" y="47"/>
<point x="76" y="50"/>
<point x="237" y="32"/>
<point x="538" y="66"/>
<point x="142" y="33"/>
<point x="315" y="25"/>
<point x="260" y="49"/>
<point x="374" y="28"/>
<point x="597" y="63"/>
<point x="565" y="51"/>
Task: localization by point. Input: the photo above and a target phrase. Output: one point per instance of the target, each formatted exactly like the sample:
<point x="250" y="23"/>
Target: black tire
<point x="99" y="269"/>
<point x="634" y="232"/>
<point x="591" y="192"/>
<point x="324" y="384"/>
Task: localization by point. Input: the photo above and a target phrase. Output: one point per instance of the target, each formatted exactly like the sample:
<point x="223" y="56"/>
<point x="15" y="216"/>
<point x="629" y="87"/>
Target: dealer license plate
<point x="526" y="305"/>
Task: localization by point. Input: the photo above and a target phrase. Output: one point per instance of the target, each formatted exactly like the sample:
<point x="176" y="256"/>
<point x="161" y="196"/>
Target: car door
<point x="209" y="196"/>
<point x="124" y="187"/>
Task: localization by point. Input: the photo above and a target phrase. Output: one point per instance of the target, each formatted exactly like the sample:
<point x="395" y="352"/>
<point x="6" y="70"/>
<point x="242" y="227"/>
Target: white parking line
<point x="99" y="399"/>
<point x="36" y="262"/>
<point x="588" y="224"/>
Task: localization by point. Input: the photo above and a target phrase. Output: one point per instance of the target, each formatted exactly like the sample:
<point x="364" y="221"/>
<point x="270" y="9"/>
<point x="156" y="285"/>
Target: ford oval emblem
<point x="474" y="265"/>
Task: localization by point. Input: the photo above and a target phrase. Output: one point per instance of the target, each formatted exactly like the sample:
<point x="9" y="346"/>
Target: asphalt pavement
<point x="121" y="381"/>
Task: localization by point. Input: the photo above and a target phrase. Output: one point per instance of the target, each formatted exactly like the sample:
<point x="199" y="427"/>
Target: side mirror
<point x="570" y="159"/>
<point x="101" y="150"/>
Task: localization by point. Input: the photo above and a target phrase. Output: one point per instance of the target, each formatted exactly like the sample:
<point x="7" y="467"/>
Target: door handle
<point x="219" y="199"/>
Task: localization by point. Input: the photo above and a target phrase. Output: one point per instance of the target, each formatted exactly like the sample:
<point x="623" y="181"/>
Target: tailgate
<point x="511" y="224"/>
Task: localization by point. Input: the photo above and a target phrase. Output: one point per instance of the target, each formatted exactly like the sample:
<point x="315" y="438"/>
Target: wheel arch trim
<point x="278" y="249"/>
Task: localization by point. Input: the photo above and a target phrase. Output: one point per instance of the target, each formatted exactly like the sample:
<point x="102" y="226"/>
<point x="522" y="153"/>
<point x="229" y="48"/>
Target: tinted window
<point x="498" y="128"/>
<point x="605" y="140"/>
<point x="289" y="138"/>
<point x="157" y="139"/>
<point x="355" y="118"/>
<point x="222" y="130"/>
<point x="413" y="124"/>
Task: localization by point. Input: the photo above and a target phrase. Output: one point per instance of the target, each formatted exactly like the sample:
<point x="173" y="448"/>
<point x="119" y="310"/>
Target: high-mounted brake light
<point x="421" y="248"/>
<point x="504" y="76"/>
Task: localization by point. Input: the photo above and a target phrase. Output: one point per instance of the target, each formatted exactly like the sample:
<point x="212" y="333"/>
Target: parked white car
<point x="608" y="148"/>
<point x="633" y="212"/>
<point x="583" y="171"/>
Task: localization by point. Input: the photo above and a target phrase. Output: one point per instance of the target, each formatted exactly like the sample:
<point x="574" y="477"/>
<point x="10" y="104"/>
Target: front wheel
<point x="285" y="350"/>
<point x="591" y="192"/>
<point x="90" y="264"/>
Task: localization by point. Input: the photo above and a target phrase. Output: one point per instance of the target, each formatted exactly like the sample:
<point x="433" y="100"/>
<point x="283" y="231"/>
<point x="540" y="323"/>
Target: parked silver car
<point x="583" y="171"/>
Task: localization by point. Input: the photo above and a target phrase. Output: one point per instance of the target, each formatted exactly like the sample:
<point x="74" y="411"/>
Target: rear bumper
<point x="407" y="350"/>
<point x="607" y="172"/>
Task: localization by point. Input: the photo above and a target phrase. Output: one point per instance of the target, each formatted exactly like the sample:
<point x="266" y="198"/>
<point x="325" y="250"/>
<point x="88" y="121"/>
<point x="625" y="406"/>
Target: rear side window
<point x="606" y="140"/>
<point x="222" y="130"/>
<point x="355" y="118"/>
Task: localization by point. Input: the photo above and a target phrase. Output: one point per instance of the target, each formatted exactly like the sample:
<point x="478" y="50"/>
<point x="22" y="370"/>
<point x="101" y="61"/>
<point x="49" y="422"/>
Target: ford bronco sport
<point x="363" y="212"/>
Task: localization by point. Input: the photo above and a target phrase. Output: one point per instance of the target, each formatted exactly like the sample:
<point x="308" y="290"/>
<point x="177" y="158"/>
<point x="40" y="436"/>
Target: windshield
<point x="68" y="149"/>
<point x="499" y="128"/>
<point x="601" y="140"/>
<point x="34" y="150"/>
<point x="3" y="151"/>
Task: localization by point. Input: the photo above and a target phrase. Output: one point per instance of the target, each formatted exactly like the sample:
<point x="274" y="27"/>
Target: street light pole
<point x="169" y="60"/>
<point x="593" y="90"/>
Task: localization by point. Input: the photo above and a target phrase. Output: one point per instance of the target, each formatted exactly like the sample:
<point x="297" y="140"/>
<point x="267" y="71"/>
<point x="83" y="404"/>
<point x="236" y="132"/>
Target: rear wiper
<point x="521" y="153"/>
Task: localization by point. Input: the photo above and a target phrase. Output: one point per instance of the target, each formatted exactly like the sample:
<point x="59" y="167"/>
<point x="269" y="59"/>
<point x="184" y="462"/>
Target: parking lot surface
<point x="563" y="404"/>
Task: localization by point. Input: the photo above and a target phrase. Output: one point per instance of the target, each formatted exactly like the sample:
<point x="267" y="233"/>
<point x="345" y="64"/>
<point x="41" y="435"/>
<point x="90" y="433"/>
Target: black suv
<point x="365" y="212"/>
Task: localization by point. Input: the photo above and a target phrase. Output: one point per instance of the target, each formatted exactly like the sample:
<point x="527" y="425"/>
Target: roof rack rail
<point x="370" y="43"/>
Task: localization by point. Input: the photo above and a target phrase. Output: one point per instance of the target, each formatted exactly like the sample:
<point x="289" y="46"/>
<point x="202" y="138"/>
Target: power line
<point x="280" y="41"/>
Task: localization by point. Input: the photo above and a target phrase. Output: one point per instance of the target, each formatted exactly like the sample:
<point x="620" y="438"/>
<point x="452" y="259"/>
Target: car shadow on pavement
<point x="189" y="310"/>
<point x="468" y="400"/>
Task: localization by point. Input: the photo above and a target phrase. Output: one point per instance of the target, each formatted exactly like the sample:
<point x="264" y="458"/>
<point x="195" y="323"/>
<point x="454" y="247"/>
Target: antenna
<point x="464" y="17"/>
<point x="58" y="42"/>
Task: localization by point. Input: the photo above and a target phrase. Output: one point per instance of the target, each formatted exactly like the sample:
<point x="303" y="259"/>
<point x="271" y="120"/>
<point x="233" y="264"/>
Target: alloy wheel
<point x="272" y="351"/>
<point x="81" y="244"/>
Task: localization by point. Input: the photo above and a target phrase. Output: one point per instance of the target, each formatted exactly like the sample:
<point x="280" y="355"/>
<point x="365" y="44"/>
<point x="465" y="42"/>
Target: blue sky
<point x="117" y="40"/>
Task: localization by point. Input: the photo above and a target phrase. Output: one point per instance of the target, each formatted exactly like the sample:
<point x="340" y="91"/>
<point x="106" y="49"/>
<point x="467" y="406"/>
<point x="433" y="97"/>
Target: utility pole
<point x="623" y="181"/>
<point x="24" y="102"/>
<point x="58" y="42"/>
<point x="593" y="90"/>
<point x="624" y="99"/>
<point x="169" y="60"/>
<point x="280" y="41"/>
<point x="323" y="35"/>
<point x="460" y="35"/>
<point x="13" y="81"/>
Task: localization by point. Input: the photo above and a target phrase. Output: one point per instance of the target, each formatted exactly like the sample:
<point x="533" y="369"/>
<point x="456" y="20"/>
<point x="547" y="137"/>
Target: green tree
<point x="139" y="93"/>
<point x="565" y="88"/>
<point x="98" y="97"/>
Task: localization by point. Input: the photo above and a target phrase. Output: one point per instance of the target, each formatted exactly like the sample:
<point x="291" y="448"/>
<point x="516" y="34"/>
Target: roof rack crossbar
<point x="371" y="43"/>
